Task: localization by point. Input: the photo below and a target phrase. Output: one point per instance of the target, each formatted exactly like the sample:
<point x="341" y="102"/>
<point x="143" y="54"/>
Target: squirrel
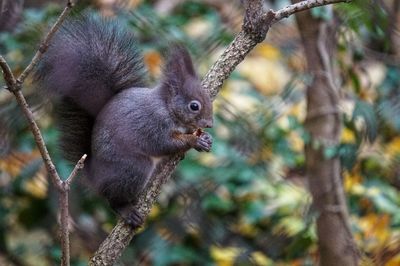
<point x="95" y="75"/>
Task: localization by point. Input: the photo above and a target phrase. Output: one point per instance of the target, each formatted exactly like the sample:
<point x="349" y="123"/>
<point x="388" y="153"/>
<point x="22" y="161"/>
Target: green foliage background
<point x="246" y="202"/>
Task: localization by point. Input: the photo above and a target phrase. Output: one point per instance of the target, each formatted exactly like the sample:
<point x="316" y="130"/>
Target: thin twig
<point x="64" y="227"/>
<point x="45" y="44"/>
<point x="14" y="88"/>
<point x="51" y="169"/>
<point x="301" y="6"/>
<point x="64" y="212"/>
<point x="79" y="165"/>
<point x="7" y="73"/>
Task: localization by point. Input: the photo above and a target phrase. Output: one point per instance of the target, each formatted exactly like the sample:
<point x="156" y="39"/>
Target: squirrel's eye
<point x="194" y="106"/>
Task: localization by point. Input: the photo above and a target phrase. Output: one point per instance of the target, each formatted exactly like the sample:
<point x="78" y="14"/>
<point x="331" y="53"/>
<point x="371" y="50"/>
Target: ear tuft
<point x="178" y="66"/>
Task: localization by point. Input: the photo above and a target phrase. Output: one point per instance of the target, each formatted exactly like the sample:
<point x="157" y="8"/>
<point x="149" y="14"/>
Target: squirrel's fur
<point x="90" y="58"/>
<point x="96" y="77"/>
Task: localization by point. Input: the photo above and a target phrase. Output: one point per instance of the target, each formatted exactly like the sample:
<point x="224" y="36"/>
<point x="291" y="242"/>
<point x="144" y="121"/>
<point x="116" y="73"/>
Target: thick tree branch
<point x="255" y="27"/>
<point x="113" y="246"/>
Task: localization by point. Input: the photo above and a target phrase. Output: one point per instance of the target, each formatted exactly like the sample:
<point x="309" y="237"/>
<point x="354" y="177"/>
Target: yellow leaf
<point x="236" y="93"/>
<point x="132" y="3"/>
<point x="198" y="27"/>
<point x="16" y="161"/>
<point x="267" y="51"/>
<point x="351" y="180"/>
<point x="260" y="155"/>
<point x="348" y="136"/>
<point x="283" y="122"/>
<point x="209" y="159"/>
<point x="296" y="142"/>
<point x="376" y="230"/>
<point x="245" y="229"/>
<point x="365" y="261"/>
<point x="224" y="256"/>
<point x="193" y="231"/>
<point x="154" y="212"/>
<point x="269" y="77"/>
<point x="393" y="147"/>
<point x="38" y="185"/>
<point x="298" y="110"/>
<point x="368" y="94"/>
<point x="370" y="77"/>
<point x="260" y="259"/>
<point x="153" y="61"/>
<point x="289" y="226"/>
<point x="15" y="55"/>
<point x="395" y="261"/>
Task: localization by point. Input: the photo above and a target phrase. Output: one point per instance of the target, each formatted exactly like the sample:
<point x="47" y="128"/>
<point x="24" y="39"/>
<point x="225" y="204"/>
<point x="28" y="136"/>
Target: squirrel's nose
<point x="206" y="123"/>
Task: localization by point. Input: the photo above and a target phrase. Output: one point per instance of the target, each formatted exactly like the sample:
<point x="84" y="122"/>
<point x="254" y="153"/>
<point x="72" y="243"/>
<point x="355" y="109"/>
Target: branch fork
<point x="256" y="22"/>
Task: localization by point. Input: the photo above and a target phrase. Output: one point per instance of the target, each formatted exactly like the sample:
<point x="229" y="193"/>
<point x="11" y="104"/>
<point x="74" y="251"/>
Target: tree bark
<point x="323" y="123"/>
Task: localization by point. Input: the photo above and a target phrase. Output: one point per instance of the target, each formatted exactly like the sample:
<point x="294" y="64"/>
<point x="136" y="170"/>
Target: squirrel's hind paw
<point x="131" y="216"/>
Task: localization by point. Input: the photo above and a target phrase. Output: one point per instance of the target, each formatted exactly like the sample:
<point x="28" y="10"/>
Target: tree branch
<point x="45" y="44"/>
<point x="7" y="74"/>
<point x="14" y="86"/>
<point x="79" y="165"/>
<point x="51" y="169"/>
<point x="64" y="211"/>
<point x="113" y="246"/>
<point x="302" y="6"/>
<point x="254" y="29"/>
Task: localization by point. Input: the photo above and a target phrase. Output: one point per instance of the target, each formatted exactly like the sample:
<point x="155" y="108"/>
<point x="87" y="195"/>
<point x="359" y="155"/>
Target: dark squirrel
<point x="96" y="77"/>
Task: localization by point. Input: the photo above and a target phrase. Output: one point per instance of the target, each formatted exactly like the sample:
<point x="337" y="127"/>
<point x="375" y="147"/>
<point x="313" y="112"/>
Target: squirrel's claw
<point x="131" y="216"/>
<point x="204" y="142"/>
<point x="134" y="219"/>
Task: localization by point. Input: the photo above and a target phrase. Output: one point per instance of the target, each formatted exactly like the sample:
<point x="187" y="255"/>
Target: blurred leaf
<point x="299" y="244"/>
<point x="324" y="12"/>
<point x="214" y="203"/>
<point x="348" y="136"/>
<point x="255" y="211"/>
<point x="224" y="256"/>
<point x="330" y="152"/>
<point x="260" y="259"/>
<point x="366" y="112"/>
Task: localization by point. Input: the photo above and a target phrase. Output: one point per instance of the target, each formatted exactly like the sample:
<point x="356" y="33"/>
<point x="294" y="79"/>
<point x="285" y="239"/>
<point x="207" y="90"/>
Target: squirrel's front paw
<point x="204" y="142"/>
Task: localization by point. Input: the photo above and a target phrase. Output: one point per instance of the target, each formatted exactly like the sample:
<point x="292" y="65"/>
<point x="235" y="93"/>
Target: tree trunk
<point x="323" y="123"/>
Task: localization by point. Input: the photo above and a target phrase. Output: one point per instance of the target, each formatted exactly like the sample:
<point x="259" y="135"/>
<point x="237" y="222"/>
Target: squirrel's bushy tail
<point x="89" y="60"/>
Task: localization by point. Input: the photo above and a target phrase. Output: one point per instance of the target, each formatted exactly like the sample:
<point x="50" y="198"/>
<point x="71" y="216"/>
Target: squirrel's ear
<point x="178" y="66"/>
